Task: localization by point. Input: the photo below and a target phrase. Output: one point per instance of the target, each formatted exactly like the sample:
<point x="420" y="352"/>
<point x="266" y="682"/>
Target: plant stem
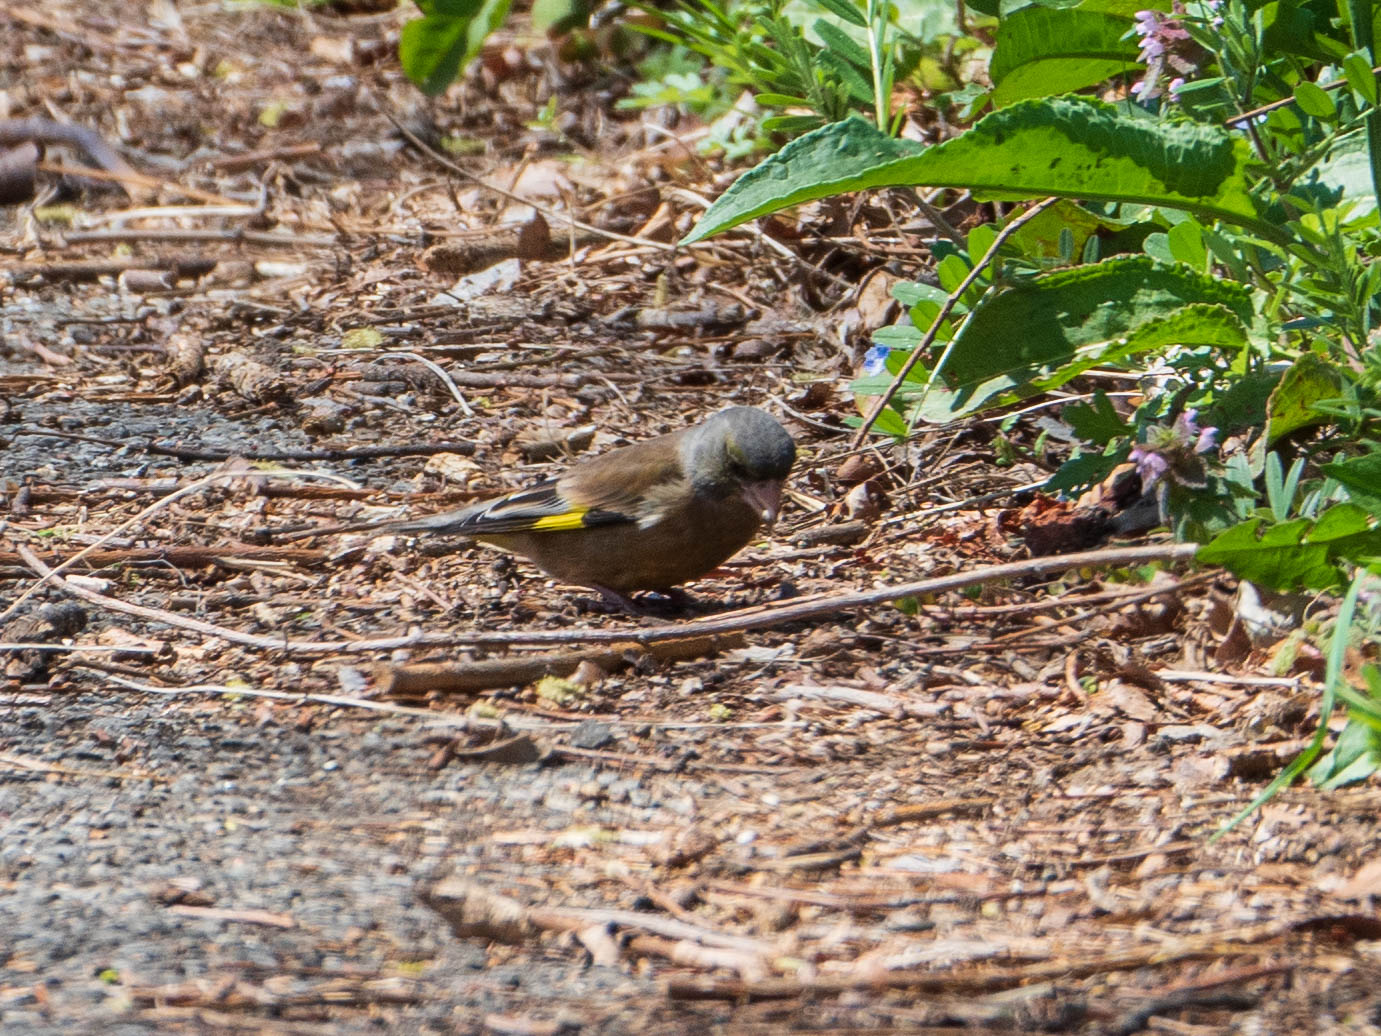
<point x="877" y="31"/>
<point x="935" y="325"/>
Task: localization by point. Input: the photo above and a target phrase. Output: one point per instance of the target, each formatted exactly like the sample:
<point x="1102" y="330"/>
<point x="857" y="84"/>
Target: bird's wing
<point x="540" y="508"/>
<point x="629" y="485"/>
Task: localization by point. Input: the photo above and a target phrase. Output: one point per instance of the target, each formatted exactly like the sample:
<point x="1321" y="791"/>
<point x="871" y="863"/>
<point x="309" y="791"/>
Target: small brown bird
<point x="642" y="517"/>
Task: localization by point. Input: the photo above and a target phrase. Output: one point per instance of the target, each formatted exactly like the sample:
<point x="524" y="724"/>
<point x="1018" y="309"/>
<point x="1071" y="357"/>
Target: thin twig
<point x="153" y="508"/>
<point x="761" y="617"/>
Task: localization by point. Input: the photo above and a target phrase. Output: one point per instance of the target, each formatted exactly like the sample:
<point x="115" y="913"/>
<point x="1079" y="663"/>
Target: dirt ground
<point x="235" y="799"/>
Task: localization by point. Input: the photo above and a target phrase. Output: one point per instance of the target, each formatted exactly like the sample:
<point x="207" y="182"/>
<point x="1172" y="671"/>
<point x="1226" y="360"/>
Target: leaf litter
<point x="987" y="811"/>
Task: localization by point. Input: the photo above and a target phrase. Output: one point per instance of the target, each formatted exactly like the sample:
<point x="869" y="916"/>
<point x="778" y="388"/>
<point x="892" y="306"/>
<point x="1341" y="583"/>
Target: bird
<point x="647" y="516"/>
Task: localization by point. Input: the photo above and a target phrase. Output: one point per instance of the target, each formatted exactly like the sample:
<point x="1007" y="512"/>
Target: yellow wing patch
<point x="573" y="519"/>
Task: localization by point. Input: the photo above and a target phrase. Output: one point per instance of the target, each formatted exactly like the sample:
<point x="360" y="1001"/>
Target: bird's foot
<point x="653" y="605"/>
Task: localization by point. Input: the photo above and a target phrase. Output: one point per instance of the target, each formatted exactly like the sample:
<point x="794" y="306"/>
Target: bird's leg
<point x="619" y="600"/>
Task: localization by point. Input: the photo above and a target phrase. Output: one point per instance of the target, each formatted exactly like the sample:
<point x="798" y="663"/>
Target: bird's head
<point x="742" y="451"/>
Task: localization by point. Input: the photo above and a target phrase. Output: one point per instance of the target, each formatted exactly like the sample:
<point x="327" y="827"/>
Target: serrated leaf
<point x="1299" y="554"/>
<point x="1097" y="422"/>
<point x="1074" y="319"/>
<point x="1275" y="557"/>
<point x="845" y="11"/>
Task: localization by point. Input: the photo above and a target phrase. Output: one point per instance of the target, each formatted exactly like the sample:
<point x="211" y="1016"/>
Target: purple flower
<point x="1171" y="452"/>
<point x="1174" y="87"/>
<point x="1165" y="47"/>
<point x="1150" y="465"/>
<point x="875" y="360"/>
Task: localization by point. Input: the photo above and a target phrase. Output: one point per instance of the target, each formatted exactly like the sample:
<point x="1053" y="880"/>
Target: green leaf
<point x="898" y="336"/>
<point x="1042" y="51"/>
<point x="771" y="100"/>
<point x="1091" y="314"/>
<point x="432" y="49"/>
<point x="1275" y="557"/>
<point x="789" y="124"/>
<point x="1355" y="756"/>
<point x="555" y="17"/>
<point x="845" y="11"/>
<point x="1362" y="478"/>
<point x="908" y="293"/>
<point x="1067" y="146"/>
<point x="1360" y="77"/>
<point x="1344" y="174"/>
<point x="1040" y="236"/>
<point x="1085" y="469"/>
<point x="1302" y="554"/>
<point x="841" y="45"/>
<point x="1244" y="403"/>
<point x="1097" y="423"/>
<point x="1314" y="100"/>
<point x="1309" y="380"/>
<point x="1186" y="243"/>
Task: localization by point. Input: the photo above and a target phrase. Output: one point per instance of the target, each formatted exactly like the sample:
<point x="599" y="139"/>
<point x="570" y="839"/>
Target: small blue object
<point x="875" y="360"/>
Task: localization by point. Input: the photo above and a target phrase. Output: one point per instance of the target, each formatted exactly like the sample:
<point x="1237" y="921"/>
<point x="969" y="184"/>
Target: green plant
<point x="814" y="63"/>
<point x="434" y="48"/>
<point x="1211" y="236"/>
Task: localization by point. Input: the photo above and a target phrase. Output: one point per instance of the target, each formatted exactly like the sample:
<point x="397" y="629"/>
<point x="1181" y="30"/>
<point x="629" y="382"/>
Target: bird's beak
<point x="765" y="498"/>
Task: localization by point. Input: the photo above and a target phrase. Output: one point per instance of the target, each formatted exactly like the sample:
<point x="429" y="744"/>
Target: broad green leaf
<point x="1343" y="175"/>
<point x="1362" y="477"/>
<point x="1042" y="51"/>
<point x="1186" y="242"/>
<point x="1067" y="146"/>
<point x="1196" y="324"/>
<point x="1091" y="314"/>
<point x="1309" y="380"/>
<point x="1302" y="554"/>
<point x="1275" y="557"/>
<point x="1243" y="404"/>
<point x="1314" y="100"/>
<point x="1339" y="525"/>
<point x="898" y="336"/>
<point x="432" y="49"/>
<point x="908" y="293"/>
